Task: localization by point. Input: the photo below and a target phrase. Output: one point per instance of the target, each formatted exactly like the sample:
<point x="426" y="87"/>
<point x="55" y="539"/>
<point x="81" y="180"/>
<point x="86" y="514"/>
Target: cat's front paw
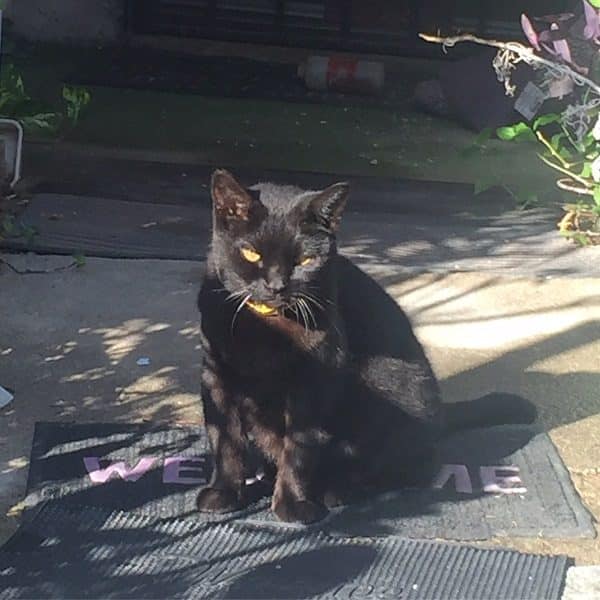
<point x="211" y="499"/>
<point x="299" y="511"/>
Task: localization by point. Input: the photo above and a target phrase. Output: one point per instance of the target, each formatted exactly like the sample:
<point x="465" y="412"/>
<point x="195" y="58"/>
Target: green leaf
<point x="581" y="239"/>
<point x="576" y="236"/>
<point x="520" y="131"/>
<point x="587" y="170"/>
<point x="545" y="120"/>
<point x="79" y="260"/>
<point x="597" y="195"/>
<point x="589" y="139"/>
<point x="556" y="139"/>
<point x="77" y="99"/>
<point x="564" y="153"/>
<point x="506" y="133"/>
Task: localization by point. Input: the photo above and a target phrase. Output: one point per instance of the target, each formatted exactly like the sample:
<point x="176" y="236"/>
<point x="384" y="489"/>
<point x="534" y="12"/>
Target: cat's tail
<point x="492" y="409"/>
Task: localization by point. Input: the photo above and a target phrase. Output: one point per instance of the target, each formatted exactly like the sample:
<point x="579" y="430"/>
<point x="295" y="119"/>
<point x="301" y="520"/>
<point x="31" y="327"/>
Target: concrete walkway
<point x="70" y="340"/>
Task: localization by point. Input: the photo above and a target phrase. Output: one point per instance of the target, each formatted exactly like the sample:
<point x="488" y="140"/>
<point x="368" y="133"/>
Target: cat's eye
<point x="306" y="260"/>
<point x="252" y="256"/>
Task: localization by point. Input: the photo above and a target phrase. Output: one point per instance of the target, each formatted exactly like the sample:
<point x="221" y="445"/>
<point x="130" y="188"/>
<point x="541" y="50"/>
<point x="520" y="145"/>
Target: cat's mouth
<point x="263" y="309"/>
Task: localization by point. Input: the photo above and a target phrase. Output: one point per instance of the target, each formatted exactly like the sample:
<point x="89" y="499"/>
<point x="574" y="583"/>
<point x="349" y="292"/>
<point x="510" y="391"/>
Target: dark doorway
<point x="379" y="26"/>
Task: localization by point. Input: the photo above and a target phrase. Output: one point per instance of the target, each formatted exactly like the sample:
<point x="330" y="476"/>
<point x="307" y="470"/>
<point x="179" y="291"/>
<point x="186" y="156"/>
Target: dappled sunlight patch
<point x="62" y="351"/>
<point x="67" y="409"/>
<point x="501" y="330"/>
<point x="379" y="271"/>
<point x="14" y="464"/>
<point x="168" y="404"/>
<point x="54" y="358"/>
<point x="118" y="343"/>
<point x="489" y="313"/>
<point x="190" y="331"/>
<point x="93" y="374"/>
<point x="89" y="401"/>
<point x="156" y="327"/>
<point x="159" y="396"/>
<point x="123" y="340"/>
<point x="440" y="293"/>
<point x="177" y="405"/>
<point x="412" y="248"/>
<point x="358" y="246"/>
<point x="157" y="382"/>
<point x="583" y="358"/>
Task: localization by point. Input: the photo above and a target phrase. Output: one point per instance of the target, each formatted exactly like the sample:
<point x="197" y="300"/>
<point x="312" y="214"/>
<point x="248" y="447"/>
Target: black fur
<point x="333" y="388"/>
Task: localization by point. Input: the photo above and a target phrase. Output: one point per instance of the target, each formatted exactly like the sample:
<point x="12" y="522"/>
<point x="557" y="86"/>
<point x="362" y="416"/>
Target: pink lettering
<point x="501" y="480"/>
<point x="176" y="466"/>
<point x="119" y="469"/>
<point x="462" y="480"/>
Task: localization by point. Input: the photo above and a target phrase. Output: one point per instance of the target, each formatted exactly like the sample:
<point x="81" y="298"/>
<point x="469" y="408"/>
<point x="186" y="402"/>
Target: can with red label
<point x="342" y="74"/>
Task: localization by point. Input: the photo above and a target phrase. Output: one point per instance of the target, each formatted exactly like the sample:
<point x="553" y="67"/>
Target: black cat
<point x="307" y="359"/>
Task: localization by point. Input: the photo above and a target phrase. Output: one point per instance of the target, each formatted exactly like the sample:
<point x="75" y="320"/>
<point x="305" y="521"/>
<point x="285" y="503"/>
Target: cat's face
<point x="272" y="244"/>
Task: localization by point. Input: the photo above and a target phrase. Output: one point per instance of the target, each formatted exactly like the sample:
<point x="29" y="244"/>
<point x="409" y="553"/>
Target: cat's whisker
<point x="231" y="295"/>
<point x="302" y="303"/>
<point x="310" y="314"/>
<point x="298" y="305"/>
<point x="292" y="306"/>
<point x="315" y="301"/>
<point x="311" y="298"/>
<point x="239" y="308"/>
<point x="326" y="300"/>
<point x="304" y="315"/>
<point x="308" y="299"/>
<point x="236" y="295"/>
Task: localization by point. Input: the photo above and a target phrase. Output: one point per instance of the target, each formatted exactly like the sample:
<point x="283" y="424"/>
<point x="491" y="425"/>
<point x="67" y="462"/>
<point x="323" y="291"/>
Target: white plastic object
<point x="342" y="74"/>
<point x="11" y="134"/>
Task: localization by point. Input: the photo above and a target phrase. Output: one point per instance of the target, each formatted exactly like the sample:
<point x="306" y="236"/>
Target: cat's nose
<point x="276" y="285"/>
<point x="275" y="280"/>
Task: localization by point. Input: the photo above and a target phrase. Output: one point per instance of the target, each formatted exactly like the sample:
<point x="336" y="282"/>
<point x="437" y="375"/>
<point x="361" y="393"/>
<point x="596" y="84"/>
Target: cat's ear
<point x="231" y="202"/>
<point x="328" y="205"/>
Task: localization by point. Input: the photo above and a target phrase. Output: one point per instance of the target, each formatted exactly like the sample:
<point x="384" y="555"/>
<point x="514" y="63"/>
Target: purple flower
<point x="591" y="30"/>
<point x="529" y="31"/>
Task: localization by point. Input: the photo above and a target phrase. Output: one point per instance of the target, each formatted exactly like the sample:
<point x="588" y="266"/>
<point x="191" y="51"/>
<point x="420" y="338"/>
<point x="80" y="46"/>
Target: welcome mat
<point x="93" y="553"/>
<point x="498" y="481"/>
